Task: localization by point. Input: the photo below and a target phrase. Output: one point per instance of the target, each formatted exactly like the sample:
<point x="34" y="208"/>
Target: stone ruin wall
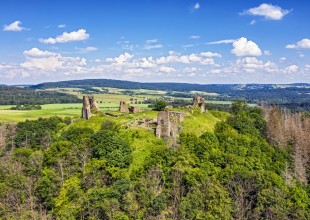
<point x="168" y="124"/>
<point x="123" y="107"/>
<point x="89" y="104"/>
<point x="198" y="101"/>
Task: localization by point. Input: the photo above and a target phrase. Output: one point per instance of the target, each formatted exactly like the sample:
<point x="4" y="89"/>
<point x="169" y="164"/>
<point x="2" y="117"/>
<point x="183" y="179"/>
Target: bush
<point x="160" y="105"/>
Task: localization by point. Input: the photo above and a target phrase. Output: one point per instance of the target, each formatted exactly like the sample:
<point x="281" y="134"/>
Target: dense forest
<point x="253" y="165"/>
<point x="293" y="96"/>
<point x="10" y="95"/>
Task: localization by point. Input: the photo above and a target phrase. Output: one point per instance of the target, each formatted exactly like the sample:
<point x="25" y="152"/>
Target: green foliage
<point x="109" y="146"/>
<point x="110" y="125"/>
<point x="98" y="169"/>
<point x="36" y="133"/>
<point x="160" y="105"/>
<point x="11" y="95"/>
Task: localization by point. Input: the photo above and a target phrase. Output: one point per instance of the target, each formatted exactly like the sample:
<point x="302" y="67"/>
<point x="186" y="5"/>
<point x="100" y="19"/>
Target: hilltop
<point x="110" y="167"/>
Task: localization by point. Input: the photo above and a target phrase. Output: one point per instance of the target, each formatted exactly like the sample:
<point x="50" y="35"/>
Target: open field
<point x="48" y="110"/>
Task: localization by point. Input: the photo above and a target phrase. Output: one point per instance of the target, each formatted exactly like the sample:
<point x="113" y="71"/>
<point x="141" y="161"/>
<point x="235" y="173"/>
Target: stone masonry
<point x="133" y="109"/>
<point x="199" y="102"/>
<point x="89" y="105"/>
<point x="168" y="124"/>
<point x="123" y="107"/>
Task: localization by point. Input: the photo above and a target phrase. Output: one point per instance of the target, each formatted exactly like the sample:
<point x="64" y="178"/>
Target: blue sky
<point x="207" y="41"/>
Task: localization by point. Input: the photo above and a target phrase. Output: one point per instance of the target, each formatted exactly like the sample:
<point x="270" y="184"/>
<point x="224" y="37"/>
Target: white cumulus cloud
<point x="61" y="26"/>
<point x="121" y="58"/>
<point x="244" y="47"/>
<point x="302" y="44"/>
<point x="291" y="69"/>
<point x="268" y="11"/>
<point x="15" y="26"/>
<point x="67" y="37"/>
<point x="46" y="61"/>
<point x="167" y="69"/>
<point x="210" y="54"/>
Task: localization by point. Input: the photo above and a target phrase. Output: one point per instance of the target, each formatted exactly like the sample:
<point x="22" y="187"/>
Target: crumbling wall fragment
<point x="123" y="107"/>
<point x="198" y="101"/>
<point x="168" y="124"/>
<point x="89" y="105"/>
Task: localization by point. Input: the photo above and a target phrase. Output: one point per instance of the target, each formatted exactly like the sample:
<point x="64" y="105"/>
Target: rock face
<point x="89" y="105"/>
<point x="199" y="102"/>
<point x="123" y="107"/>
<point x="168" y="124"/>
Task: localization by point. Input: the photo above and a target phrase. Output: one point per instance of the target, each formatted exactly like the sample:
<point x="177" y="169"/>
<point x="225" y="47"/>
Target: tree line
<point x="10" y="95"/>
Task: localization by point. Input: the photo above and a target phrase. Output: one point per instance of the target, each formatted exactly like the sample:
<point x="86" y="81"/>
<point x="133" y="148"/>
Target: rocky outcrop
<point x="198" y="101"/>
<point x="168" y="124"/>
<point x="90" y="106"/>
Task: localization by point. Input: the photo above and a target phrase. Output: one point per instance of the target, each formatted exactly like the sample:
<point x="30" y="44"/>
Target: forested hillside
<point x="105" y="169"/>
<point x="10" y="95"/>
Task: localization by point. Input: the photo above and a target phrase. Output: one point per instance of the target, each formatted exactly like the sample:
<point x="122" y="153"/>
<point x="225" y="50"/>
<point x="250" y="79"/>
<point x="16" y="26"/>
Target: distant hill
<point x="294" y="96"/>
<point x="11" y="95"/>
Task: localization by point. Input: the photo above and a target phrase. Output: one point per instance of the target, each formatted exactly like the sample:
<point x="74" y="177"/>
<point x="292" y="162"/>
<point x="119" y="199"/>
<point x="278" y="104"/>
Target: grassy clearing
<point x="198" y="123"/>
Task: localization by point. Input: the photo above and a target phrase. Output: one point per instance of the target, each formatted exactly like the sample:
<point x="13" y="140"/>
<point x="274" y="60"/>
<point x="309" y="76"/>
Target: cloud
<point x="121" y="58"/>
<point x="36" y="53"/>
<point x="167" y="69"/>
<point x="268" y="11"/>
<point x="191" y="69"/>
<point x="152" y="44"/>
<point x="252" y="22"/>
<point x="67" y="37"/>
<point x="151" y="41"/>
<point x="202" y="58"/>
<point x="47" y="61"/>
<point x="196" y="6"/>
<point x="228" y="41"/>
<point x="194" y="37"/>
<point x="267" y="53"/>
<point x="243" y="47"/>
<point x="210" y="54"/>
<point x="149" y="47"/>
<point x="291" y="69"/>
<point x="86" y="49"/>
<point x="61" y="26"/>
<point x="282" y="59"/>
<point x="302" y="44"/>
<point x="15" y="26"/>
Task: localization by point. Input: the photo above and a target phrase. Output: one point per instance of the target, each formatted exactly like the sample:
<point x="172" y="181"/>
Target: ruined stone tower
<point x="89" y="105"/>
<point x="199" y="102"/>
<point x="123" y="107"/>
<point x="168" y="124"/>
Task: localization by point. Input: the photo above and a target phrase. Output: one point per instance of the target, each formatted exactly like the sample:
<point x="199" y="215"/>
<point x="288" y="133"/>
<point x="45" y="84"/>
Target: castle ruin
<point x="198" y="101"/>
<point x="89" y="105"/>
<point x="123" y="107"/>
<point x="168" y="124"/>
